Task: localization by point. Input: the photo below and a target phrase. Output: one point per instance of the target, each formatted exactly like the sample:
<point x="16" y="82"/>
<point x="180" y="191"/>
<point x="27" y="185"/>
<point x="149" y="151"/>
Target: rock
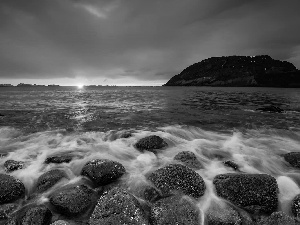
<point x="118" y="207"/>
<point x="175" y="210"/>
<point x="231" y="164"/>
<point x="178" y="178"/>
<point x="261" y="71"/>
<point x="6" y="210"/>
<point x="32" y="214"/>
<point x="151" y="143"/>
<point x="60" y="222"/>
<point x="270" y="108"/>
<point x="72" y="201"/>
<point x="57" y="159"/>
<point x="278" y="218"/>
<point x="189" y="159"/>
<point x="126" y="135"/>
<point x="216" y="154"/>
<point x="217" y="215"/>
<point x="103" y="171"/>
<point x="11" y="189"/>
<point x="293" y="158"/>
<point x="296" y="206"/>
<point x="49" y="179"/>
<point x="256" y="193"/>
<point x="151" y="194"/>
<point x="12" y="165"/>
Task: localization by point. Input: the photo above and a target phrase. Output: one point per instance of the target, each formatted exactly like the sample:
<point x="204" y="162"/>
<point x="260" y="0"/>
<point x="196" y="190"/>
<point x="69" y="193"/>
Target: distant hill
<point x="234" y="71"/>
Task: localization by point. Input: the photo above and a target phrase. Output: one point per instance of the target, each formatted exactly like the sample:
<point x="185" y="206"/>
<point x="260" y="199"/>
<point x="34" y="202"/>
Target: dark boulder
<point x="178" y="178"/>
<point x="57" y="159"/>
<point x="270" y="108"/>
<point x="296" y="206"/>
<point x="293" y="158"/>
<point x="6" y="210"/>
<point x="118" y="207"/>
<point x="11" y="189"/>
<point x="278" y="218"/>
<point x="72" y="201"/>
<point x="175" y="210"/>
<point x="49" y="179"/>
<point x="189" y="159"/>
<point x="231" y="164"/>
<point x="12" y="165"/>
<point x="217" y="215"/>
<point x="103" y="171"/>
<point x="256" y="193"/>
<point x="32" y="215"/>
<point x="151" y="143"/>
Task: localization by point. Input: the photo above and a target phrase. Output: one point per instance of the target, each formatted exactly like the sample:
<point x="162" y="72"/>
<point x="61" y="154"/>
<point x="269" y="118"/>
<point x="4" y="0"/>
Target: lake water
<point x="42" y="121"/>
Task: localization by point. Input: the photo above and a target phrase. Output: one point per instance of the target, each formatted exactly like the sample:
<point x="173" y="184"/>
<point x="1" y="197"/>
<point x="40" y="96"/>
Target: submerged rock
<point x="178" y="178"/>
<point x="118" y="207"/>
<point x="151" y="143"/>
<point x="11" y="189"/>
<point x="256" y="193"/>
<point x="103" y="171"/>
<point x="217" y="215"/>
<point x="293" y="158"/>
<point x="151" y="194"/>
<point x="72" y="201"/>
<point x="12" y="165"/>
<point x="49" y="179"/>
<point x="6" y="210"/>
<point x="278" y="218"/>
<point x="57" y="159"/>
<point x="270" y="108"/>
<point x="296" y="206"/>
<point x="189" y="159"/>
<point x="175" y="210"/>
<point x="32" y="214"/>
<point x="231" y="164"/>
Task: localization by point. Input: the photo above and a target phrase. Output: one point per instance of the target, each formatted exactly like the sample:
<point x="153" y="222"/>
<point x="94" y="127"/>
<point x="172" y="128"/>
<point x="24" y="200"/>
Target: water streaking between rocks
<point x="161" y="155"/>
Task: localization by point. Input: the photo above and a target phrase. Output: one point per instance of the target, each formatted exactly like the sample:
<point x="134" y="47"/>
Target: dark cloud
<point x="139" y="39"/>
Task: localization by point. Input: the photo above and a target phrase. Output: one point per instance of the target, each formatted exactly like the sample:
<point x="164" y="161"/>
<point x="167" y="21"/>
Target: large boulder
<point x="32" y="214"/>
<point x="296" y="206"/>
<point x="12" y="165"/>
<point x="178" y="178"/>
<point x="278" y="218"/>
<point x="103" y="171"/>
<point x="175" y="210"/>
<point x="7" y="210"/>
<point x="49" y="179"/>
<point x="11" y="189"/>
<point x="293" y="158"/>
<point x="72" y="201"/>
<point x="256" y="193"/>
<point x="218" y="215"/>
<point x="189" y="159"/>
<point x="151" y="143"/>
<point x="118" y="207"/>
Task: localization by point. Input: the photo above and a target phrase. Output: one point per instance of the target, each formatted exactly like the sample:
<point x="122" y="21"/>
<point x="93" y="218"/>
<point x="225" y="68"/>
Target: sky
<point x="137" y="42"/>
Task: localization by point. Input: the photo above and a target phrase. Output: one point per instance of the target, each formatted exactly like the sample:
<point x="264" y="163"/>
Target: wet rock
<point x="296" y="206"/>
<point x="12" y="165"/>
<point x="32" y="214"/>
<point x="256" y="193"/>
<point x="60" y="222"/>
<point x="117" y="207"/>
<point x="278" y="218"/>
<point x="151" y="194"/>
<point x="57" y="159"/>
<point x="270" y="108"/>
<point x="217" y="215"/>
<point x="103" y="171"/>
<point x="72" y="201"/>
<point x="189" y="159"/>
<point x="126" y="135"/>
<point x="216" y="154"/>
<point x="231" y="164"/>
<point x="151" y="143"/>
<point x="175" y="210"/>
<point x="49" y="179"/>
<point x="6" y="210"/>
<point x="11" y="189"/>
<point x="178" y="178"/>
<point x="293" y="158"/>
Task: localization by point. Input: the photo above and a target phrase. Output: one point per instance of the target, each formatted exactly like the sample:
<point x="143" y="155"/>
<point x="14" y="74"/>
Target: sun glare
<point x="80" y="86"/>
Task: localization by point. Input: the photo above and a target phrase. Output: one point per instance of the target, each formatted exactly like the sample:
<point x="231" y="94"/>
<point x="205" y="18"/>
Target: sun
<point x="80" y="86"/>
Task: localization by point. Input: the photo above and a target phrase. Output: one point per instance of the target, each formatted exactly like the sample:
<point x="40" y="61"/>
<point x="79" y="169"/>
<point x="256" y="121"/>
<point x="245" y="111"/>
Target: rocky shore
<point x="170" y="195"/>
<point x="234" y="71"/>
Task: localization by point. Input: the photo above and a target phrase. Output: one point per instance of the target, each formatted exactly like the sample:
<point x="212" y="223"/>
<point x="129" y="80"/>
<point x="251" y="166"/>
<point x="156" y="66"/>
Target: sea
<point x="90" y="123"/>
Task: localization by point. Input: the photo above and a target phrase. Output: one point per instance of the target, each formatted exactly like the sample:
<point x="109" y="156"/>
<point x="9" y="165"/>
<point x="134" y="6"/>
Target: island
<point x="235" y="71"/>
